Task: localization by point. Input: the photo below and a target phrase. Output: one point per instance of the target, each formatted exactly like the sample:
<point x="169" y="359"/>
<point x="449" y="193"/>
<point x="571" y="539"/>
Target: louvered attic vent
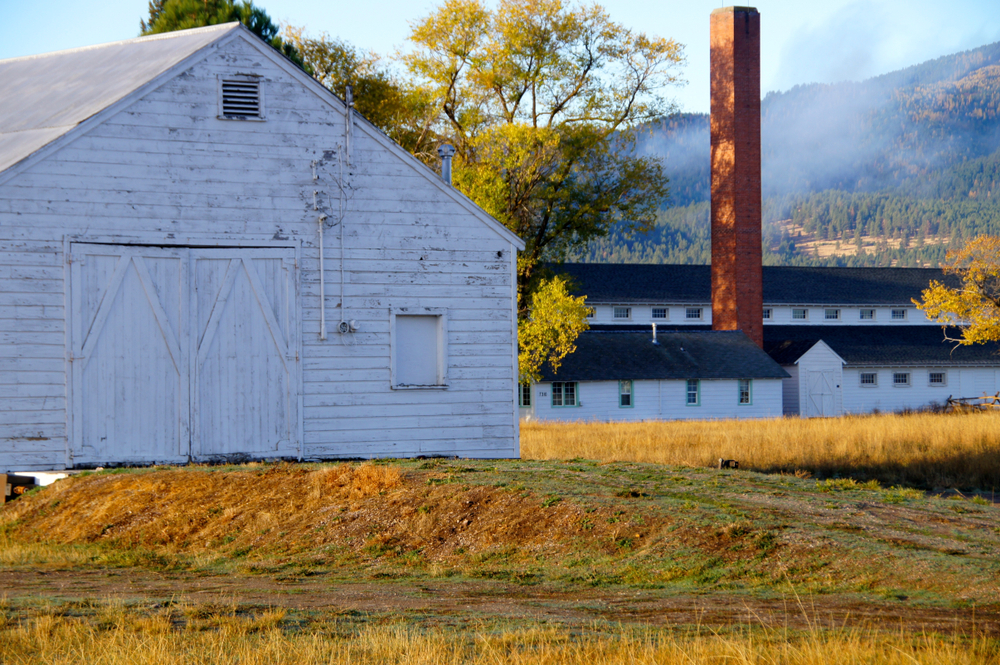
<point x="241" y="99"/>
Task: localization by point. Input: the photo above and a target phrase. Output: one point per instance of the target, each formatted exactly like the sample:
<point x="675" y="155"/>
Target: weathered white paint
<point x="245" y="354"/>
<point x="659" y="400"/>
<point x="130" y="354"/>
<point x="162" y="181"/>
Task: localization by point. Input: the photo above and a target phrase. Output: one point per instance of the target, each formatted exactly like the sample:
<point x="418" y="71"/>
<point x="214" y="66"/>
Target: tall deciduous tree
<point x="975" y="306"/>
<point x="171" y="15"/>
<point x="393" y="105"/>
<point x="542" y="101"/>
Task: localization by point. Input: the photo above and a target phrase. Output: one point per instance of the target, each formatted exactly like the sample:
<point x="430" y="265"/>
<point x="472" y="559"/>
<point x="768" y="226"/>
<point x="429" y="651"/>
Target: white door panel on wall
<point x="130" y="372"/>
<point x="182" y="352"/>
<point x="819" y="393"/>
<point x="244" y="374"/>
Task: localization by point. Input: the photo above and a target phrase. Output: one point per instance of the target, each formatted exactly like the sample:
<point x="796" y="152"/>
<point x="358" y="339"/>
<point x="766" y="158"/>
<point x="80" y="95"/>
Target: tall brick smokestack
<point x="737" y="301"/>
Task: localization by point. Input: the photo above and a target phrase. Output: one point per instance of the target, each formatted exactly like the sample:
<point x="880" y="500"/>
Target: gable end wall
<point x="166" y="170"/>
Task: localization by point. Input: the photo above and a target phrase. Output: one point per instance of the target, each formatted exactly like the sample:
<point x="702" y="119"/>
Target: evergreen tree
<point x="171" y="15"/>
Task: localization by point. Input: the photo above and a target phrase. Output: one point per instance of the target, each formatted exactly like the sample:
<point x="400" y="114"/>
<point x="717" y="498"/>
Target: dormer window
<point x="240" y="98"/>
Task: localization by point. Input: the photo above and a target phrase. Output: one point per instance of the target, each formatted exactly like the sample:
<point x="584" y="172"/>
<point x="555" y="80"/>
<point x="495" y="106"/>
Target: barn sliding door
<point x="244" y="356"/>
<point x="129" y="354"/>
<point x="183" y="353"/>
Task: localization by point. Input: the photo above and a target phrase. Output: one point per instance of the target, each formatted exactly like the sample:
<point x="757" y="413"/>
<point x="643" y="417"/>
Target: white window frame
<point x="259" y="80"/>
<point x="700" y="313"/>
<point x="899" y="384"/>
<point x="442" y="341"/>
<point x="591" y="312"/>
<point x="688" y="392"/>
<point x="862" y="317"/>
<point x="749" y="392"/>
<point x="626" y="387"/>
<point x="942" y="383"/>
<point x="861" y="379"/>
<point x="665" y="310"/>
<point x="524" y="390"/>
<point x="895" y="311"/>
<point x="805" y="314"/>
<point x="562" y="394"/>
<point x="767" y="314"/>
<point x="834" y="312"/>
<point x="616" y="310"/>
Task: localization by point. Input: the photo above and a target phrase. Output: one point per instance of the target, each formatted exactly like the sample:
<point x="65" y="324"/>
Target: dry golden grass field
<point x="922" y="449"/>
<point x="856" y="540"/>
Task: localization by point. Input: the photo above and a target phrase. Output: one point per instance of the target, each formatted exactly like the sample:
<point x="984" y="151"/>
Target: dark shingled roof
<point x="615" y="356"/>
<point x="878" y="345"/>
<point x="783" y="285"/>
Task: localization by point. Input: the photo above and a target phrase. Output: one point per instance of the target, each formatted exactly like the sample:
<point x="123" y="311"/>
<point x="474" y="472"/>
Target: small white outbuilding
<point x="205" y="255"/>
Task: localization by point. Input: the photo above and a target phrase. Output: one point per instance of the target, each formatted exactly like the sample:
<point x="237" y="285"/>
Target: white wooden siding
<point x="643" y="314"/>
<point x="660" y="400"/>
<point x="780" y="315"/>
<point x="961" y="382"/>
<point x="165" y="172"/>
<point x="245" y="354"/>
<point x="129" y="354"/>
<point x="790" y="391"/>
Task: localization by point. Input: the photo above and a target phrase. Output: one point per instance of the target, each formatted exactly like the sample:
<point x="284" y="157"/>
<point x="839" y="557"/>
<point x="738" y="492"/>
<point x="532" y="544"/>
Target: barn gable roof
<point x="47" y="95"/>
<point x="617" y="356"/>
<point x="783" y="285"/>
<point x="51" y="98"/>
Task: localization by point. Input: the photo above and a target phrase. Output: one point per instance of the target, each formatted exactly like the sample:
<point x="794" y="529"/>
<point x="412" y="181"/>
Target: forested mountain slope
<point x="892" y="170"/>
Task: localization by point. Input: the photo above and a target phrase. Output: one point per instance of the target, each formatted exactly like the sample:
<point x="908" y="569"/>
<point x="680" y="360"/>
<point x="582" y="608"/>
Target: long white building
<point x="850" y="340"/>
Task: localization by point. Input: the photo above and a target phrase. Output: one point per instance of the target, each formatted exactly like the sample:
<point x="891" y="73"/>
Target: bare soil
<point x="452" y="601"/>
<point x="570" y="543"/>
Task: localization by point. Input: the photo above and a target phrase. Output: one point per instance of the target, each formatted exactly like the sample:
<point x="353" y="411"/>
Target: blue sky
<point x="802" y="41"/>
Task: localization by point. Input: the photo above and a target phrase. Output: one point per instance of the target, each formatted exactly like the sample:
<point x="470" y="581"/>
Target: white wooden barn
<point x="181" y="217"/>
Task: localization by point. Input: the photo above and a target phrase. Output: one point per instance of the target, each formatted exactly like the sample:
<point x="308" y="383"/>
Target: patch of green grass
<point x="901" y="494"/>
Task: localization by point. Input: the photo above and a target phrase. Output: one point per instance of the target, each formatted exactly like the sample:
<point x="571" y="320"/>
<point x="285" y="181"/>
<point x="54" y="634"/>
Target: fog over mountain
<point x="854" y="136"/>
<point x="907" y="156"/>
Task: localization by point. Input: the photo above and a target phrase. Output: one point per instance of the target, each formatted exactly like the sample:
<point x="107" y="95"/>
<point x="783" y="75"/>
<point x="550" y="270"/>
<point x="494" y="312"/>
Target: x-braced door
<point x="244" y="357"/>
<point x="129" y="345"/>
<point x="183" y="352"/>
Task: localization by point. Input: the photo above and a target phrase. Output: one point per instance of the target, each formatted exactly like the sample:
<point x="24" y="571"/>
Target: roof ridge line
<point x="34" y="129"/>
<point x="219" y="27"/>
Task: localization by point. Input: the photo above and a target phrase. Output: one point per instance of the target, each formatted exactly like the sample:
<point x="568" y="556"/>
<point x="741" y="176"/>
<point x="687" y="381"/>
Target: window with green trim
<point x="693" y="392"/>
<point x="625" y="394"/>
<point x="745" y="391"/>
<point x="564" y="393"/>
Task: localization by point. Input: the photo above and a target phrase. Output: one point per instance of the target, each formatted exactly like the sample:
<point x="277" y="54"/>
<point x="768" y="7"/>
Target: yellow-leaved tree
<point x="540" y="342"/>
<point x="975" y="305"/>
<point x="543" y="101"/>
<point x="388" y="101"/>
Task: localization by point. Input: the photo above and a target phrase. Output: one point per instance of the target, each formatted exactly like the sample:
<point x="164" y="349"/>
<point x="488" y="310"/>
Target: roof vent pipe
<point x="445" y="152"/>
<point x="654" y="335"/>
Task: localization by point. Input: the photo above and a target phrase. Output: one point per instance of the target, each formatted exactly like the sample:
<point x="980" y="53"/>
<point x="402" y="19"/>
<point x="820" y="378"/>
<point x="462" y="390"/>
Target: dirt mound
<point x="370" y="510"/>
